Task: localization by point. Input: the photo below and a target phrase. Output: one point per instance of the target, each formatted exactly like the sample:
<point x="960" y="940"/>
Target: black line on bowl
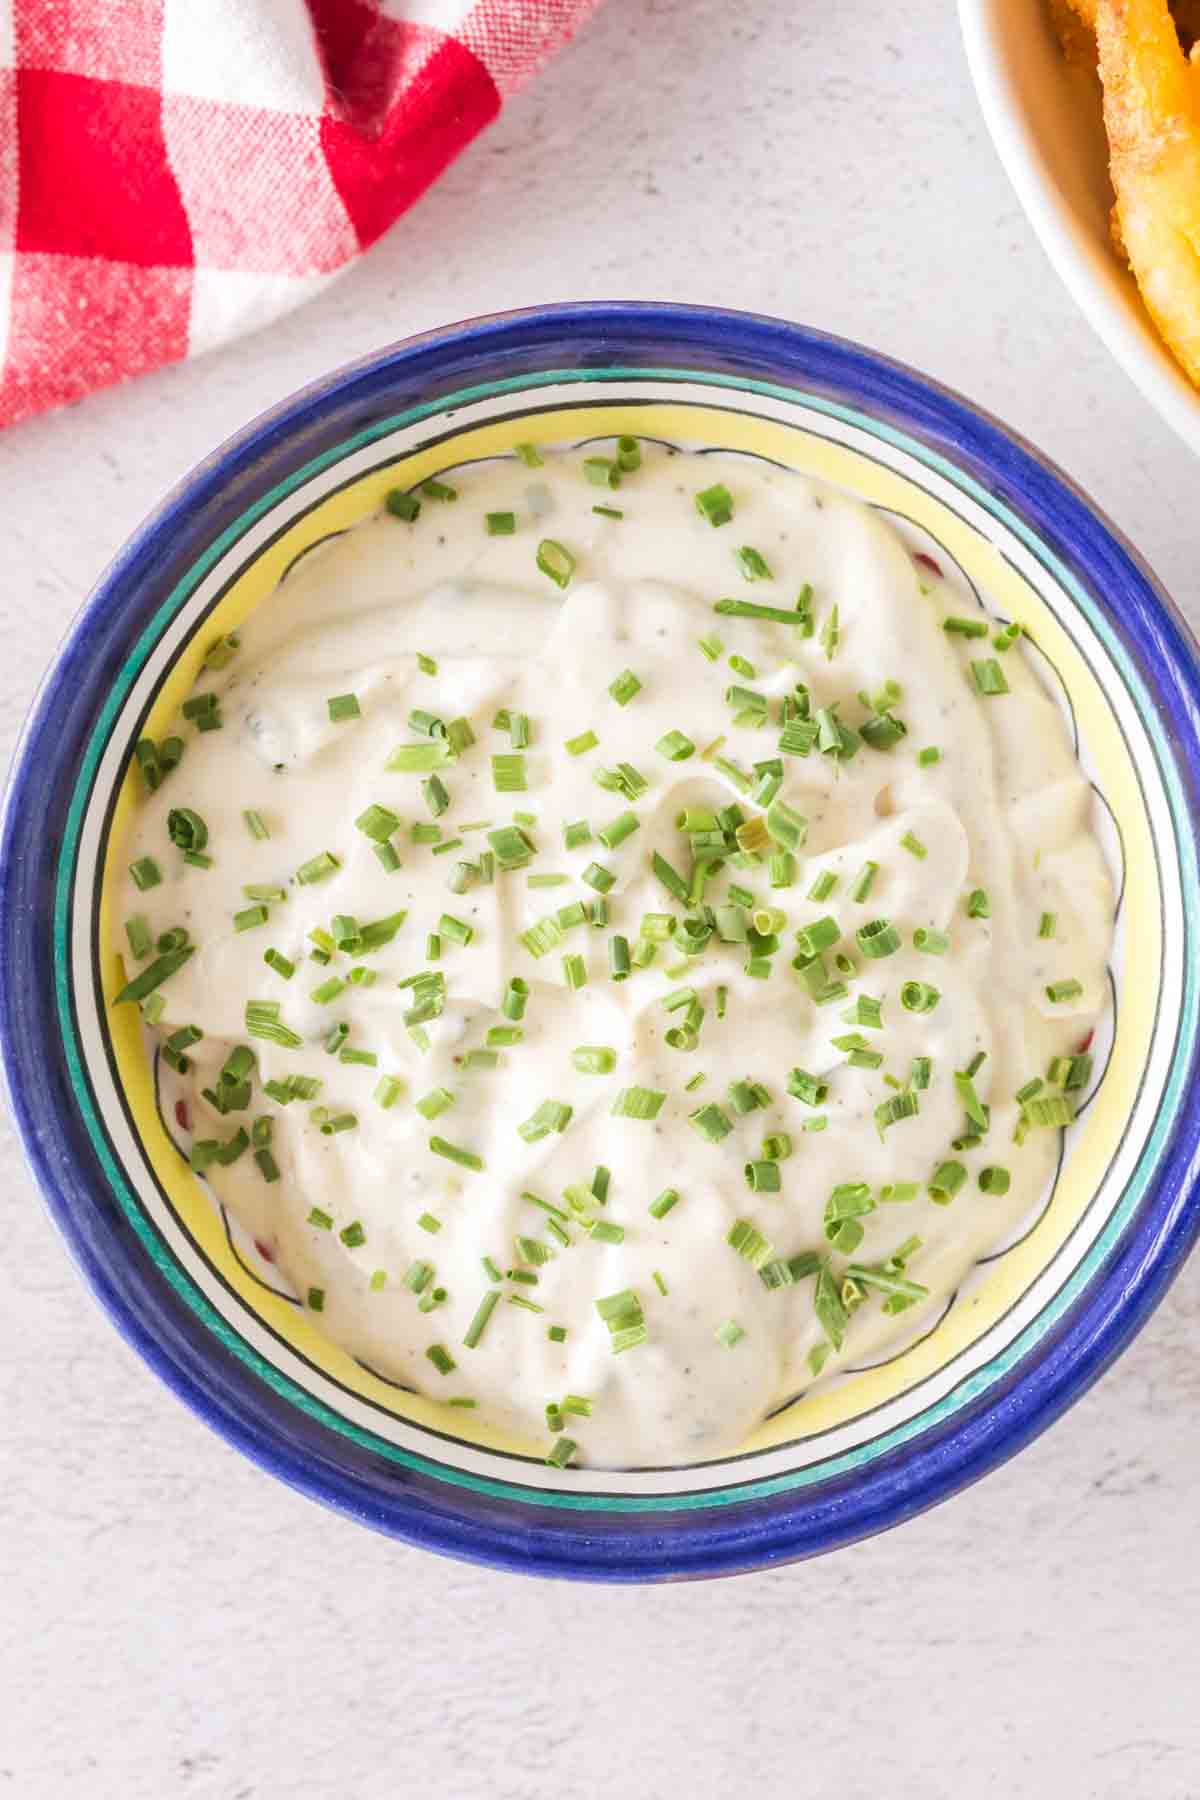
<point x="1102" y="797"/>
<point x="1098" y="1083"/>
<point x="1048" y="1202"/>
<point x="218" y="1204"/>
<point x="400" y="1386"/>
<point x="894" y="512"/>
<point x="883" y="1362"/>
<point x="308" y="549"/>
<point x="259" y="1280"/>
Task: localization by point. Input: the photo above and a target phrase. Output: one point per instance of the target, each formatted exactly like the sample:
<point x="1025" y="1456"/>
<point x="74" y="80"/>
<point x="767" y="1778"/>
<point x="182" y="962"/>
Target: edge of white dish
<point x="1044" y="121"/>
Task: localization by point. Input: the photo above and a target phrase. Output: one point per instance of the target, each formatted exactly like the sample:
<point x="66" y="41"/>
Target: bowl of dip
<point x="596" y="942"/>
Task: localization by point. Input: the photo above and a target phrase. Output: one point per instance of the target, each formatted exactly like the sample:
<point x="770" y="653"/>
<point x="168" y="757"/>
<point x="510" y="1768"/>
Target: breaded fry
<point x="1152" y="116"/>
<point x="1073" y="22"/>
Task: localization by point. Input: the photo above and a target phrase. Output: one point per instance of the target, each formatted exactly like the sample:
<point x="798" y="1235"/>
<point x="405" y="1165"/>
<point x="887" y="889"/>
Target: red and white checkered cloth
<point x="173" y="172"/>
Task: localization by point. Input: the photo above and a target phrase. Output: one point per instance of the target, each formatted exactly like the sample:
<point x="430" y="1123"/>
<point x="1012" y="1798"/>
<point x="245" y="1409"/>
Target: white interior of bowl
<point x="1045" y="121"/>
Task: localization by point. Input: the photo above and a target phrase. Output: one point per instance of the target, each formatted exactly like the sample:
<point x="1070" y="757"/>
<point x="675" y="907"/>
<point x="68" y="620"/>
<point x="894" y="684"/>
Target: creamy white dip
<point x="712" y="1348"/>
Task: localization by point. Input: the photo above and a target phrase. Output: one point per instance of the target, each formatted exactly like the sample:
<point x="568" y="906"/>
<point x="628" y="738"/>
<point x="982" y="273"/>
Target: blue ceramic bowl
<point x="1035" y="1323"/>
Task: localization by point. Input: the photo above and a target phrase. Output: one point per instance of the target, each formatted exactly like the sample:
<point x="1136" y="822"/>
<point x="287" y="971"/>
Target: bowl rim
<point x="1083" y="265"/>
<point x="419" y="1510"/>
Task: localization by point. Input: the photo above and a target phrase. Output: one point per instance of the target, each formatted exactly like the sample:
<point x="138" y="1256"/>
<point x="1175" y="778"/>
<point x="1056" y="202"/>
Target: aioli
<point x="1005" y="809"/>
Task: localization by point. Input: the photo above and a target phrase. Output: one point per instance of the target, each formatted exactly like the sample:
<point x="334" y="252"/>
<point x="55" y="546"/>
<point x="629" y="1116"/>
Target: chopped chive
<point x="146" y="873"/>
<point x="820" y="935"/>
<point x="618" y="829"/>
<point x="511" y="847"/>
<point x="763" y="1177"/>
<point x="457" y="930"/>
<point x="831" y="635"/>
<point x="912" y="843"/>
<point x="624" y="686"/>
<point x="342" y="707"/>
<point x="529" y="455"/>
<point x="516" y="996"/>
<point x="551" y="1115"/>
<point x="1007" y="636"/>
<point x="927" y="757"/>
<point x="675" y="746"/>
<point x="629" y="454"/>
<point x="1048" y="925"/>
<point x="823" y="886"/>
<point x="508" y="774"/>
<point x="587" y="740"/>
<point x="660" y="1207"/>
<point x="1052" y="1109"/>
<point x="877" y="938"/>
<point x="711" y="648"/>
<point x="945" y="1182"/>
<point x="418" y="759"/>
<point x="574" y="971"/>
<point x="809" y="1088"/>
<point x="141" y="938"/>
<point x="752" y="564"/>
<point x="594" y="1059"/>
<point x="988" y="677"/>
<point x="865" y="1011"/>
<point x="186" y="829"/>
<point x="637" y="1103"/>
<point x="249" y="917"/>
<point x="602" y="471"/>
<point x="994" y="1180"/>
<point x="577" y="832"/>
<point x="711" y="1122"/>
<point x="435" y="794"/>
<point x="427" y="724"/>
<point x="556" y="561"/>
<point x="317" y="868"/>
<point x="1059" y="991"/>
<point x="933" y="943"/>
<point x="466" y="1159"/>
<point x="401" y="505"/>
<point x="729" y="1334"/>
<point x="441" y="1359"/>
<point x="968" y="628"/>
<point x="316" y="1299"/>
<point x="864" y="881"/>
<point x="715" y="504"/>
<point x="618" y="957"/>
<point x="500" y="524"/>
<point x="153" y="975"/>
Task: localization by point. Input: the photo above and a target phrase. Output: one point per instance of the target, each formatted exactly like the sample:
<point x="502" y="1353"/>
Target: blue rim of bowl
<point x="418" y="376"/>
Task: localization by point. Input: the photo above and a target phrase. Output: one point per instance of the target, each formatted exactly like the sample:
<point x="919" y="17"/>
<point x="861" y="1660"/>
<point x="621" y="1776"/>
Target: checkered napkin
<point x="173" y="172"/>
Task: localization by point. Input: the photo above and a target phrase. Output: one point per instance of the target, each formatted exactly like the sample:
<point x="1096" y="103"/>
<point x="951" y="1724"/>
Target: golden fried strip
<point x="1073" y="26"/>
<point x="1152" y="115"/>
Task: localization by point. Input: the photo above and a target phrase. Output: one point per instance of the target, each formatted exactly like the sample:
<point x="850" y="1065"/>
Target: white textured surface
<point x="172" y="1622"/>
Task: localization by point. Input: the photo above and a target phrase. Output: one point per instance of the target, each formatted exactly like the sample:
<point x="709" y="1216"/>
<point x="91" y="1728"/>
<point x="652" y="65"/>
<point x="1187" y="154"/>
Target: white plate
<point x="1044" y="119"/>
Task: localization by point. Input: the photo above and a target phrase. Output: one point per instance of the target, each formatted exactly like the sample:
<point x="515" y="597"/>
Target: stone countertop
<point x="173" y="1623"/>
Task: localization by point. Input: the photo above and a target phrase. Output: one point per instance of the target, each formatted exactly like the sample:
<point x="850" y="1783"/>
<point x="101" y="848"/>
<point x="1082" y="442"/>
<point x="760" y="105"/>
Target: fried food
<point x="1074" y="24"/>
<point x="1152" y="117"/>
